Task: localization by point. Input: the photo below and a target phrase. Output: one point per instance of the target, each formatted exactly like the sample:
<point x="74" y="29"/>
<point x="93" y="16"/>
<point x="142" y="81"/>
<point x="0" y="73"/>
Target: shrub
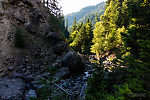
<point x="19" y="39"/>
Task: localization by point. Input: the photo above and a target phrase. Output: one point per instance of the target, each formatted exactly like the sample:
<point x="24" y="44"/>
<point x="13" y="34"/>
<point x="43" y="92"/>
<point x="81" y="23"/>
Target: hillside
<point x="86" y="12"/>
<point x="31" y="51"/>
<point x="92" y="16"/>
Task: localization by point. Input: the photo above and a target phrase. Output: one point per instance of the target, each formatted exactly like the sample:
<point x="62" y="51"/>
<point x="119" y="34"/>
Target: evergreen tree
<point x="106" y="33"/>
<point x="65" y="31"/>
<point x="74" y="26"/>
<point x="78" y="38"/>
<point x="89" y="36"/>
<point x="66" y="23"/>
<point x="81" y="38"/>
<point x="126" y="26"/>
<point x="96" y="18"/>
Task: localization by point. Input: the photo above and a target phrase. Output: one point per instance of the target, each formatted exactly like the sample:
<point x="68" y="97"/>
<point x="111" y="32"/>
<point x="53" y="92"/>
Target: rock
<point x="76" y="93"/>
<point x="85" y="78"/>
<point x="54" y="38"/>
<point x="11" y="68"/>
<point x="30" y="94"/>
<point x="38" y="1"/>
<point x="90" y="71"/>
<point x="47" y="30"/>
<point x="11" y="1"/>
<point x="64" y="84"/>
<point x="59" y="48"/>
<point x="1" y="70"/>
<point x="62" y="72"/>
<point x="30" y="27"/>
<point x="62" y="81"/>
<point x="29" y="86"/>
<point x="57" y="63"/>
<point x="35" y="84"/>
<point x="27" y="2"/>
<point x="46" y="75"/>
<point x="11" y="89"/>
<point x="73" y="61"/>
<point x="18" y="75"/>
<point x="29" y="78"/>
<point x="26" y="60"/>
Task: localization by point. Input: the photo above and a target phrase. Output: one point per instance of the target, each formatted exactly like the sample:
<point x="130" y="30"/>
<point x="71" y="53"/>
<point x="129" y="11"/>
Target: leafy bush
<point x="19" y="39"/>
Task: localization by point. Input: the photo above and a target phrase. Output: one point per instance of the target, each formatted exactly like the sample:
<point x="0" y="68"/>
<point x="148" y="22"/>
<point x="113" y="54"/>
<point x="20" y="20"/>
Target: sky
<point x="70" y="6"/>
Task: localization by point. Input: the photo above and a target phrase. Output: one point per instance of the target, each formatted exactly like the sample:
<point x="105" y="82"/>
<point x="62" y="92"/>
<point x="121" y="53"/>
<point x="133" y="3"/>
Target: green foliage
<point x="19" y="38"/>
<point x="57" y="22"/>
<point x="85" y="13"/>
<point x="81" y="37"/>
<point x="66" y="32"/>
<point x="61" y="97"/>
<point x="93" y="16"/>
<point x="56" y="18"/>
<point x="74" y="26"/>
<point x="95" y="84"/>
<point x="125" y="25"/>
<point x="107" y="35"/>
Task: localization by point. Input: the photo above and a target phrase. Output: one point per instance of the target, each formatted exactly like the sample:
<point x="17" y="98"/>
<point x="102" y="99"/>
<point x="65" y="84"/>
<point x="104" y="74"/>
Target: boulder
<point x="73" y="61"/>
<point x="54" y="38"/>
<point x="62" y="72"/>
<point x="34" y="24"/>
<point x="30" y="94"/>
<point x="11" y="89"/>
<point x="59" y="48"/>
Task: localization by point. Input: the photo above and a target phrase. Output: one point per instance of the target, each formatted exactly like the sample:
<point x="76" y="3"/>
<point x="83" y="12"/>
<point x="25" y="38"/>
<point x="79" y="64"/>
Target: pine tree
<point x="106" y="33"/>
<point x="89" y="36"/>
<point x="66" y="23"/>
<point x="74" y="26"/>
<point x="96" y="18"/>
<point x="125" y="25"/>
<point x="82" y="37"/>
<point x="78" y="38"/>
<point x="66" y="32"/>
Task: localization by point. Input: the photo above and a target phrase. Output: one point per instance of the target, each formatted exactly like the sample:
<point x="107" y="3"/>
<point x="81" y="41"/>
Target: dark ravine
<point x="22" y="68"/>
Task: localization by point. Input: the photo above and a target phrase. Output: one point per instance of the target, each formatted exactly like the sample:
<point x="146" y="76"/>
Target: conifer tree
<point x="89" y="36"/>
<point x="106" y="34"/>
<point x="66" y="23"/>
<point x="96" y="18"/>
<point x="82" y="37"/>
<point x="74" y="26"/>
<point x="126" y="26"/>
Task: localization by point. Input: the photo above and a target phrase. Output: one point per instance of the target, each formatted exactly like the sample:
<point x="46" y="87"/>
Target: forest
<point x="124" y="30"/>
<point x="103" y="56"/>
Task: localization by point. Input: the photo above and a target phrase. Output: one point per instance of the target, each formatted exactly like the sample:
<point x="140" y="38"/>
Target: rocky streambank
<point x="25" y="86"/>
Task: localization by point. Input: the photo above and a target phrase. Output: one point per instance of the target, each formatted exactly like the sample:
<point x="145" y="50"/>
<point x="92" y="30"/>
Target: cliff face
<point x="42" y="46"/>
<point x="31" y="17"/>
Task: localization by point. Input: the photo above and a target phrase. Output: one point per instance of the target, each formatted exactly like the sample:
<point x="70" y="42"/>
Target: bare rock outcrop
<point x="33" y="18"/>
<point x="43" y="47"/>
<point x="11" y="89"/>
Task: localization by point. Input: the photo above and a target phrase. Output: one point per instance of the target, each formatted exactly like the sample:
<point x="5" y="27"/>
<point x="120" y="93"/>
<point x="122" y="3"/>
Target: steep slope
<point x="92" y="16"/>
<point x="44" y="49"/>
<point x="99" y="8"/>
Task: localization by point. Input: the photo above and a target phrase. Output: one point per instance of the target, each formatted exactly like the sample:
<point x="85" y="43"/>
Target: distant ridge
<point x="86" y="12"/>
